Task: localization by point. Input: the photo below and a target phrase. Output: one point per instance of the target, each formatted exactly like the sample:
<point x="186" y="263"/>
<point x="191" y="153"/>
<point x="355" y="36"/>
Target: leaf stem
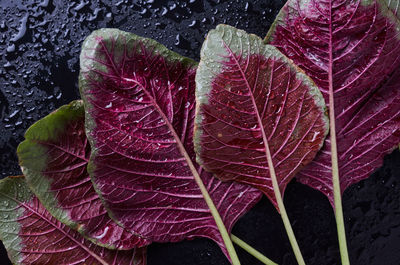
<point x="278" y="196"/>
<point x="218" y="220"/>
<point x="339" y="216"/>
<point x="282" y="209"/>
<point x="277" y="192"/>
<point x="213" y="209"/>
<point x="337" y="195"/>
<point x="252" y="251"/>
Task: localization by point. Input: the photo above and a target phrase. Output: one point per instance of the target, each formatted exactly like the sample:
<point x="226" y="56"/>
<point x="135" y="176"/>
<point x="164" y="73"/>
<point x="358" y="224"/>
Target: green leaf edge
<point x="33" y="156"/>
<point x="86" y="64"/>
<point x="9" y="232"/>
<point x="33" y="160"/>
<point x="204" y="88"/>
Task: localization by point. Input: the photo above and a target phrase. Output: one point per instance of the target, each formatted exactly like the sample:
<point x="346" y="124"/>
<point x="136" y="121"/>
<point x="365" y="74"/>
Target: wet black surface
<point x="39" y="48"/>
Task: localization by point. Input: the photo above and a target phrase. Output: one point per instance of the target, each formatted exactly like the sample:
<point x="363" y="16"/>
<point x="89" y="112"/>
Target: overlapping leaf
<point x="355" y="47"/>
<point x="251" y="97"/>
<point x="140" y="104"/>
<point x="53" y="158"/>
<point x="32" y="236"/>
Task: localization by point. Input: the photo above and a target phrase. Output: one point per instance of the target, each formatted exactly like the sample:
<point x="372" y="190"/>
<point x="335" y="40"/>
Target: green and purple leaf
<point x="140" y="107"/>
<point x="359" y="43"/>
<point x="32" y="235"/>
<point x="53" y="158"/>
<point x="250" y="96"/>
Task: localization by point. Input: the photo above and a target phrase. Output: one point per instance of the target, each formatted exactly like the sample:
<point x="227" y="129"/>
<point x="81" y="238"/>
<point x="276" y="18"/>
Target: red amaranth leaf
<point x="360" y="42"/>
<point x="251" y="97"/>
<point x="140" y="108"/>
<point x="53" y="158"/>
<point x="32" y="235"/>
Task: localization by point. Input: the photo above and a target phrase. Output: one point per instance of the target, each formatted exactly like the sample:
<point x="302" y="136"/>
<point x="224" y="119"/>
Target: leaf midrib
<point x="260" y="124"/>
<point x="178" y="141"/>
<point x="211" y="207"/>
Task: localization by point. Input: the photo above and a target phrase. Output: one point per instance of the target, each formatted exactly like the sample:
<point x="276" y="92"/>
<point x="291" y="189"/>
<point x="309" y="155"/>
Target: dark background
<point x="39" y="48"/>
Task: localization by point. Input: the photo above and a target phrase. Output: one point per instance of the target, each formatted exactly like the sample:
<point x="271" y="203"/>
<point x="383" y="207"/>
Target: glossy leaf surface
<point x="359" y="42"/>
<point x="53" y="158"/>
<point x="251" y="96"/>
<point x="140" y="113"/>
<point x="32" y="235"/>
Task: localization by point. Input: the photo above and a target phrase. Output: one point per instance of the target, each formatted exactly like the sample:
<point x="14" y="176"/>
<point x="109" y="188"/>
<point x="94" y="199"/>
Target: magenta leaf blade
<point x="32" y="235"/>
<point x="53" y="158"/>
<point x="363" y="40"/>
<point x="249" y="96"/>
<point x="140" y="107"/>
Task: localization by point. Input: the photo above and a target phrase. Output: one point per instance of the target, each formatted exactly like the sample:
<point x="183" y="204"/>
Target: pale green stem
<point x="218" y="220"/>
<point x="337" y="195"/>
<point x="285" y="218"/>
<point x="279" y="200"/>
<point x="278" y="195"/>
<point x="252" y="251"/>
<point x="213" y="209"/>
<point x="277" y="192"/>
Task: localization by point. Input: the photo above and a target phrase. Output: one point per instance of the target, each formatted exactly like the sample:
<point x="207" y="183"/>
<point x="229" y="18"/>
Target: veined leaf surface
<point x="54" y="158"/>
<point x="358" y="42"/>
<point x="250" y="98"/>
<point x="140" y="108"/>
<point x="32" y="235"/>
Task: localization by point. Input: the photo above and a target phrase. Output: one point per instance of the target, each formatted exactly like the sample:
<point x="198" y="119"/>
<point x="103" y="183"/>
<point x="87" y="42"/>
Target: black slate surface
<point x="39" y="49"/>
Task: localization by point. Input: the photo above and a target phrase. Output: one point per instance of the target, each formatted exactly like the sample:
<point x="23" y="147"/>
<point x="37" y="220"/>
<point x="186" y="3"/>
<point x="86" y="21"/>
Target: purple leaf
<point x="360" y="43"/>
<point x="32" y="235"/>
<point x="53" y="158"/>
<point x="253" y="99"/>
<point x="140" y="107"/>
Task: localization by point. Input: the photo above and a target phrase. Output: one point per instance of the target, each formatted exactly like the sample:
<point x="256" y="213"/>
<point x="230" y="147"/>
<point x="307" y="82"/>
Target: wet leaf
<point x="32" y="235"/>
<point x="53" y="158"/>
<point x="140" y="107"/>
<point x="359" y="42"/>
<point x="252" y="97"/>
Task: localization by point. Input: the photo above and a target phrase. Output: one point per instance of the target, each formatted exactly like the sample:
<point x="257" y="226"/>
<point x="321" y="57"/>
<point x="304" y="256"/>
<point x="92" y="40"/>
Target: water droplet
<point x="256" y="134"/>
<point x="164" y="11"/>
<point x="314" y="137"/>
<point x="192" y="24"/>
<point x="246" y="7"/>
<point x="177" y="39"/>
<point x="81" y="5"/>
<point x="163" y="145"/>
<point x="22" y="29"/>
<point x="15" y="112"/>
<point x="11" y="48"/>
<point x="103" y="234"/>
